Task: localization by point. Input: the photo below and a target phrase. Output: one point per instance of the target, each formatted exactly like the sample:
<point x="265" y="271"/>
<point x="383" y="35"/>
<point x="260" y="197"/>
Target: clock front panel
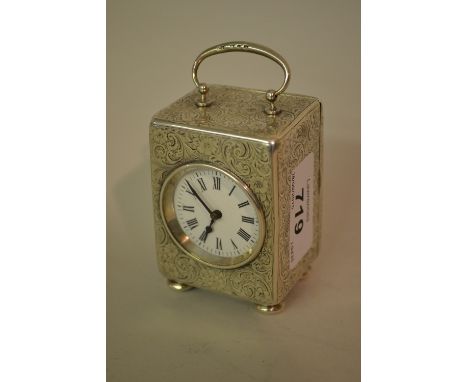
<point x="212" y="215"/>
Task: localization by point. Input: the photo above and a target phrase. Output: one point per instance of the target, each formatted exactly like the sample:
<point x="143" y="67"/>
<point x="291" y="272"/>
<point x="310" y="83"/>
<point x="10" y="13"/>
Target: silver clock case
<point x="234" y="134"/>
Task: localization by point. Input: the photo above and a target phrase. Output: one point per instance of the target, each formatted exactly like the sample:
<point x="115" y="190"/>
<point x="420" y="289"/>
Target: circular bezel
<point x="183" y="241"/>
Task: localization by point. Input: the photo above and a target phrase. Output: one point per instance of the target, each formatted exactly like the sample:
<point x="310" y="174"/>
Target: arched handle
<point x="248" y="47"/>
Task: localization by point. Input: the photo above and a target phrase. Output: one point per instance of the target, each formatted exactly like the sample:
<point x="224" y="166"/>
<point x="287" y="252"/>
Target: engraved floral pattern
<point x="237" y="111"/>
<point x="252" y="163"/>
<point x="298" y="143"/>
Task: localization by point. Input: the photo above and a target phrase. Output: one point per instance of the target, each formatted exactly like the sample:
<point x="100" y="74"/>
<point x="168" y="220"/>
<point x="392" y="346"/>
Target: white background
<point x="52" y="274"/>
<point x="414" y="160"/>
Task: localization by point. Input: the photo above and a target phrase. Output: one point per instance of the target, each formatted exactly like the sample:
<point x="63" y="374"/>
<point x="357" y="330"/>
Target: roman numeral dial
<point x="247" y="219"/>
<point x="201" y="182"/>
<point x="244" y="235"/>
<point x="243" y="204"/>
<point x="216" y="218"/>
<point x="216" y="183"/>
<point x="192" y="223"/>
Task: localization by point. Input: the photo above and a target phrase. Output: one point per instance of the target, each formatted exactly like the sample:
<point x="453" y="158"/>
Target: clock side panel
<point x="251" y="161"/>
<point x="298" y="160"/>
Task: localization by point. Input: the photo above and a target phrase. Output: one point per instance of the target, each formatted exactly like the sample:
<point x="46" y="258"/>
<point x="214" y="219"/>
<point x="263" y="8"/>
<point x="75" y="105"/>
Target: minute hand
<point x="198" y="197"/>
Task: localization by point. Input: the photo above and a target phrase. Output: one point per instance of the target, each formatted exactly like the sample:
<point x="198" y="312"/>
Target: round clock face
<point x="212" y="215"/>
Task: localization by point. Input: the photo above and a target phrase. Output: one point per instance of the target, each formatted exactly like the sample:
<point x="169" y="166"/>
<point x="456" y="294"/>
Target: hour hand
<point x="205" y="233"/>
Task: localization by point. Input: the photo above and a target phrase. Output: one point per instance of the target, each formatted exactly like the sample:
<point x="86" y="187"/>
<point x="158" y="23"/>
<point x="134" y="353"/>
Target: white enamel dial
<point x="213" y="215"/>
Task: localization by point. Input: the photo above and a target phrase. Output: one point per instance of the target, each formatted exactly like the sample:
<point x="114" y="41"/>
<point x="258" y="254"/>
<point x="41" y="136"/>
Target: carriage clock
<point x="236" y="179"/>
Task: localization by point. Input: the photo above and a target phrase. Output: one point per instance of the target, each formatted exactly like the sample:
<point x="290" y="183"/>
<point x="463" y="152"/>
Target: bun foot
<point x="270" y="309"/>
<point x="179" y="287"/>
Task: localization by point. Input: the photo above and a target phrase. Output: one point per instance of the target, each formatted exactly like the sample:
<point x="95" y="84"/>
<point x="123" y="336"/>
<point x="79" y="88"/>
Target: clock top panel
<point x="237" y="111"/>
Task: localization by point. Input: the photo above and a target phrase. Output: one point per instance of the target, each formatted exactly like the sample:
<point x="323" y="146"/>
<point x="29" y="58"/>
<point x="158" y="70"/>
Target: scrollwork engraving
<point x="251" y="162"/>
<point x="299" y="142"/>
<point x="239" y="112"/>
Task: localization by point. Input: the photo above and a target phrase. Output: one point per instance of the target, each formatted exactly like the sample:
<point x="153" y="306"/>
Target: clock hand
<point x="214" y="215"/>
<point x="198" y="197"/>
<point x="207" y="230"/>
